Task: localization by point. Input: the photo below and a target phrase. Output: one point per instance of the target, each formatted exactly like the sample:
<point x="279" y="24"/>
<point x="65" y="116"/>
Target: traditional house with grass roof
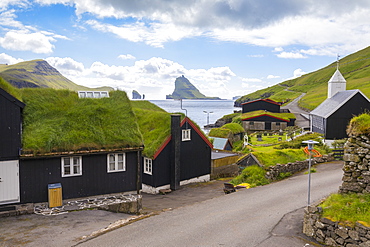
<point x="176" y="151"/>
<point x="262" y="120"/>
<point x="332" y="116"/>
<point x="86" y="146"/>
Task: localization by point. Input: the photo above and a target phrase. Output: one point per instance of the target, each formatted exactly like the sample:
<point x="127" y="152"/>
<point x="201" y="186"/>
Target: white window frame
<point x="116" y="162"/>
<point x="72" y="165"/>
<point x="186" y="135"/>
<point x="148" y="166"/>
<point x="93" y="94"/>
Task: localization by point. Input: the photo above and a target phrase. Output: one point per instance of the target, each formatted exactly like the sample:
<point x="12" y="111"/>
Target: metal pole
<point x="309" y="178"/>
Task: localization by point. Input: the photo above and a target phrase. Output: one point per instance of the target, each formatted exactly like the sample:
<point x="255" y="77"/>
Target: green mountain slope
<point x="38" y="73"/>
<point x="185" y="90"/>
<point x="355" y="68"/>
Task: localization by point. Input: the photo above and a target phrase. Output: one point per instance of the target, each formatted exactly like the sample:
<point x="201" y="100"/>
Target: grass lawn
<point x="348" y="208"/>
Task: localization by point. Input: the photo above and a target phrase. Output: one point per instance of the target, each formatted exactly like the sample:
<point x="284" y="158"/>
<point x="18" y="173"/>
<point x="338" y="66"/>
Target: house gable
<point x="10" y="126"/>
<point x="261" y="104"/>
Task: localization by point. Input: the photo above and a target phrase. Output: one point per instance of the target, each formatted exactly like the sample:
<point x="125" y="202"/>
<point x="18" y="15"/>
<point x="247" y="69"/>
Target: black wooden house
<point x="10" y="147"/>
<point x="261" y="104"/>
<point x="184" y="157"/>
<point x="105" y="160"/>
<point x="332" y="116"/>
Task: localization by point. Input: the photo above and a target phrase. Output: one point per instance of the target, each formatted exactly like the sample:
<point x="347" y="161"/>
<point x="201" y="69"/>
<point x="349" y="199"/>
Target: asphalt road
<point x="245" y="218"/>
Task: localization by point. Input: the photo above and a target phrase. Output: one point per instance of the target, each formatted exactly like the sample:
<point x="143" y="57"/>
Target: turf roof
<point x="59" y="121"/>
<point x="154" y="123"/>
<point x="285" y="116"/>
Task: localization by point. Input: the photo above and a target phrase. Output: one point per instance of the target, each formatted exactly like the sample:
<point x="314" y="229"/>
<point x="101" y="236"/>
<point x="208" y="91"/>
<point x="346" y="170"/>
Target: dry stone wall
<point x="294" y="167"/>
<point x="356" y="179"/>
<point x="356" y="167"/>
<point x="333" y="233"/>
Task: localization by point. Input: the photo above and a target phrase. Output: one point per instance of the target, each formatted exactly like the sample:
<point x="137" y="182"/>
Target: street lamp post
<point x="310" y="144"/>
<point x="208" y="116"/>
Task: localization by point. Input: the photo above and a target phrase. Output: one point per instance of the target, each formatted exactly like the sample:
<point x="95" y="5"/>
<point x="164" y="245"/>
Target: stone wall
<point x="356" y="177"/>
<point x="294" y="167"/>
<point x="333" y="233"/>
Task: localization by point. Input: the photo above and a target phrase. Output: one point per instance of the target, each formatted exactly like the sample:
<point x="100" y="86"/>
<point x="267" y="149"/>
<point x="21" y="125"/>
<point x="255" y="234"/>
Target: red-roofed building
<point x="184" y="157"/>
<point x="261" y="104"/>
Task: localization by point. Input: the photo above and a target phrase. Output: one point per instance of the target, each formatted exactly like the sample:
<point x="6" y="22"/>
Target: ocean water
<point x="201" y="112"/>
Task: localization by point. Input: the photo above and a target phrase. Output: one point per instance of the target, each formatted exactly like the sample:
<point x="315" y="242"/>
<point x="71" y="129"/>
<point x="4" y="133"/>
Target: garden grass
<point x="348" y="208"/>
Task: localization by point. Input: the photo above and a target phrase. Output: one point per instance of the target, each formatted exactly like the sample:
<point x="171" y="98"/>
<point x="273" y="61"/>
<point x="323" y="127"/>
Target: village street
<point x="246" y="218"/>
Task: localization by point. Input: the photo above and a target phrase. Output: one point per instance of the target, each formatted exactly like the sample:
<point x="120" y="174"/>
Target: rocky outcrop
<point x="185" y="90"/>
<point x="356" y="177"/>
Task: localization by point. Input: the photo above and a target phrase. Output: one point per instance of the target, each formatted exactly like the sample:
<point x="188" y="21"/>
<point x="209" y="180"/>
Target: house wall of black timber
<point x="336" y="124"/>
<point x="195" y="161"/>
<point x="260" y="105"/>
<point x="37" y="173"/>
<point x="10" y="126"/>
<point x="266" y="122"/>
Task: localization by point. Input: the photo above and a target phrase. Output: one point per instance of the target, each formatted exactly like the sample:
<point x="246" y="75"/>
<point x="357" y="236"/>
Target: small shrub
<point x="253" y="175"/>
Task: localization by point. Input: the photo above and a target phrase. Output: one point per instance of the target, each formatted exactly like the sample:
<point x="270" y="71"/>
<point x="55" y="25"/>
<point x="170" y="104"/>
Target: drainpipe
<point x="138" y="182"/>
<point x="175" y="152"/>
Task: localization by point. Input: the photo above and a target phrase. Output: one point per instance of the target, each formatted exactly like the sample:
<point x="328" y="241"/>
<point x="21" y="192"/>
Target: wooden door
<point x="9" y="181"/>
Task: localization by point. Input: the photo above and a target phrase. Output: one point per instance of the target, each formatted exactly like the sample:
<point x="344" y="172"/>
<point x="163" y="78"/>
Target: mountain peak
<point x="184" y="89"/>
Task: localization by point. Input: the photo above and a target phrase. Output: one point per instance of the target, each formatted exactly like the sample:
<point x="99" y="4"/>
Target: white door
<point x="9" y="181"/>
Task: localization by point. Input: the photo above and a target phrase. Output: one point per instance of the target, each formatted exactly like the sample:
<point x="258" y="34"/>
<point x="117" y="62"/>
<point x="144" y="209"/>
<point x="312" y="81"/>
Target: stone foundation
<point x="332" y="233"/>
<point x="356" y="177"/>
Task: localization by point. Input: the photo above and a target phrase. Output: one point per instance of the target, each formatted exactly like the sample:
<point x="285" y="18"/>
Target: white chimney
<point x="336" y="84"/>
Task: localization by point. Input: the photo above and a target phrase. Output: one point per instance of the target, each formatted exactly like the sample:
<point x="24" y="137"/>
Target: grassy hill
<point x="38" y="73"/>
<point x="355" y="68"/>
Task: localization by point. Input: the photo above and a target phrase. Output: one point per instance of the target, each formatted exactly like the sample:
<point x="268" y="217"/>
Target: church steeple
<point x="337" y="82"/>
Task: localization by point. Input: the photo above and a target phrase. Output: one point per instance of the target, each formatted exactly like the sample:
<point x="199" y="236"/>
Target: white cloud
<point x="127" y="57"/>
<point x="293" y="55"/>
<point x="298" y="73"/>
<point x="6" y="59"/>
<point x="272" y="76"/>
<point x="317" y="25"/>
<point x="154" y="35"/>
<point x="154" y="77"/>
<point x="25" y="41"/>
<point x="66" y="66"/>
<point x="278" y="49"/>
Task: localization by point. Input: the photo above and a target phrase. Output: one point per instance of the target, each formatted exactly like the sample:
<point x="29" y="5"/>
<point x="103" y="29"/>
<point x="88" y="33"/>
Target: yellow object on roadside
<point x="246" y="185"/>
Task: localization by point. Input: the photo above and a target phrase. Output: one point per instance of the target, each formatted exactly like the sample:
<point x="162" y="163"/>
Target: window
<point x="93" y="94"/>
<point x="116" y="162"/>
<point x="186" y="135"/>
<point x="277" y="123"/>
<point x="148" y="166"/>
<point x="71" y="166"/>
<point x="251" y="123"/>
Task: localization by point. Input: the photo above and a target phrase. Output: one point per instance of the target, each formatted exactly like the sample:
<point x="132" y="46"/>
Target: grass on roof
<point x="219" y="132"/>
<point x="286" y="116"/>
<point x="10" y="89"/>
<point x="235" y="128"/>
<point x="57" y="120"/>
<point x="154" y="123"/>
<point x="359" y="125"/>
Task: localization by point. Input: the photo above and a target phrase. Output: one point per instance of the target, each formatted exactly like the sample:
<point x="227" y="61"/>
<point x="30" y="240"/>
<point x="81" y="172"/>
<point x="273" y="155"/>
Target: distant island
<point x="137" y="95"/>
<point x="185" y="90"/>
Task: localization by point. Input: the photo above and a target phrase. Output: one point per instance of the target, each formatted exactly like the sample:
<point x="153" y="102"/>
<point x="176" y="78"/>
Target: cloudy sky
<point x="224" y="47"/>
